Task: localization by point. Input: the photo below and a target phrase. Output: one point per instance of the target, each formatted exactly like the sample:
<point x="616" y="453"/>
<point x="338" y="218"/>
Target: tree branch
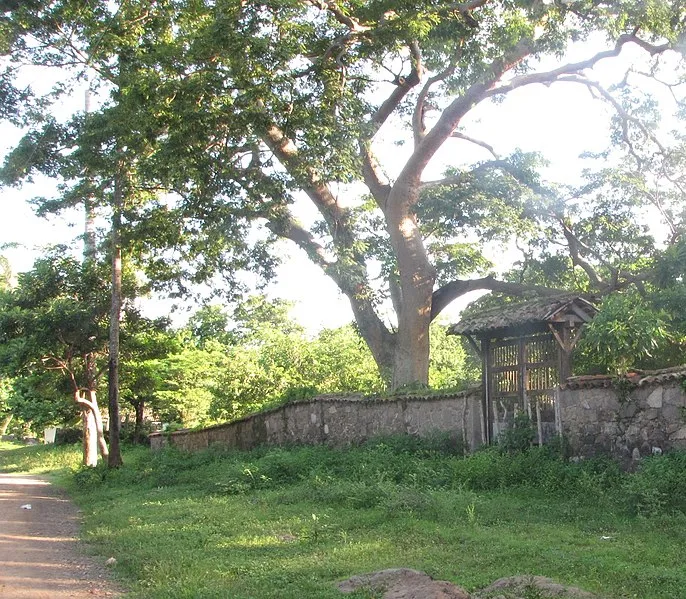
<point x="625" y="117"/>
<point x="370" y="168"/>
<point x="350" y="22"/>
<point x="418" y="124"/>
<point x="575" y="246"/>
<point x="336" y="217"/>
<point x="451" y="116"/>
<point x="443" y="296"/>
<point x="287" y="227"/>
<point x="459" y="178"/>
<point x="478" y="142"/>
<point x="575" y="67"/>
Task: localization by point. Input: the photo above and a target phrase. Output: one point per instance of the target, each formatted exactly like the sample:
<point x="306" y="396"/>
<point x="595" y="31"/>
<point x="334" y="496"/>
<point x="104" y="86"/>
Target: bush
<point x="68" y="436"/>
<point x="659" y="485"/>
<point x="520" y="436"/>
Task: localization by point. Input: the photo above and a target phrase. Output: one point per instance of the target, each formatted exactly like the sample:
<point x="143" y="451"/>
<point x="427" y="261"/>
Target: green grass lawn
<point x="289" y="523"/>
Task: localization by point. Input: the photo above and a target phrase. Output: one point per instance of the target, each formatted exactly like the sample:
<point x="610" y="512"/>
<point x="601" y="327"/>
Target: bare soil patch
<point x="40" y="554"/>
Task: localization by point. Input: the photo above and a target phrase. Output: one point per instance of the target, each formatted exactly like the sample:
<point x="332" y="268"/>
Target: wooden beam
<point x="575" y="339"/>
<point x="580" y="313"/>
<point x="559" y="339"/>
<point x="474" y="344"/>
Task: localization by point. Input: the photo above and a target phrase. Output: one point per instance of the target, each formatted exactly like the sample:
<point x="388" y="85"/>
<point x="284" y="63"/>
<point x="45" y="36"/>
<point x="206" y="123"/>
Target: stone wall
<point x="341" y="420"/>
<point x="647" y="417"/>
<point x="643" y="418"/>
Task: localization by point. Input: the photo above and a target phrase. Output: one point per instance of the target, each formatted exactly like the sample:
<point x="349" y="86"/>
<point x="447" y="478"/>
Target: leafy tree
<point x="451" y="365"/>
<point x="187" y="382"/>
<point x="6" y="414"/>
<point x="209" y="323"/>
<point x="245" y="110"/>
<point x="146" y="344"/>
<point x="628" y="332"/>
<point x="341" y="362"/>
<point x="55" y="321"/>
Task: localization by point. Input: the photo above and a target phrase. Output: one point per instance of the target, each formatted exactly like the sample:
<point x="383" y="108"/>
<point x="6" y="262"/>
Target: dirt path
<point x="39" y="553"/>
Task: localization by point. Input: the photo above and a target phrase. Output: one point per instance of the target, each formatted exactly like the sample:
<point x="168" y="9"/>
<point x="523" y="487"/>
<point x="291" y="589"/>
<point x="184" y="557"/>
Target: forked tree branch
<point x="378" y="187"/>
<point x="453" y="114"/>
<point x="420" y="109"/>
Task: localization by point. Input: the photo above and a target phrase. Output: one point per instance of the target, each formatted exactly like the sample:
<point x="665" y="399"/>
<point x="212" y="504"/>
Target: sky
<point x="560" y="121"/>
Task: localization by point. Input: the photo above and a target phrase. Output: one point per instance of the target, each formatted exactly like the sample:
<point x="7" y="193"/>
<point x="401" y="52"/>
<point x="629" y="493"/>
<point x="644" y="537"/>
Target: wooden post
<point x="565" y="354"/>
<point x="486" y="381"/>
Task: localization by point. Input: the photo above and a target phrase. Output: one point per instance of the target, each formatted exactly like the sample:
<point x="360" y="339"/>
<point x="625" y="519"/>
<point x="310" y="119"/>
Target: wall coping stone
<point x="640" y="378"/>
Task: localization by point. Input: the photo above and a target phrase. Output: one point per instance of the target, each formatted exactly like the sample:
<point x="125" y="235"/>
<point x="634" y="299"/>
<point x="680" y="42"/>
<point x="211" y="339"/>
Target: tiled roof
<point x="640" y="378"/>
<point x="538" y="310"/>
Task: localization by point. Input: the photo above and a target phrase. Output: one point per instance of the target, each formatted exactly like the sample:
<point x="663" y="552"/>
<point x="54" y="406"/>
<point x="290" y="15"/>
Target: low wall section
<point x="341" y="420"/>
<point x="643" y="415"/>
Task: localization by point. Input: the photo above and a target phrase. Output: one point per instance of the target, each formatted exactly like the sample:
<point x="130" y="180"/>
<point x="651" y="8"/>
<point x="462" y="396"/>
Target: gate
<point x="522" y="377"/>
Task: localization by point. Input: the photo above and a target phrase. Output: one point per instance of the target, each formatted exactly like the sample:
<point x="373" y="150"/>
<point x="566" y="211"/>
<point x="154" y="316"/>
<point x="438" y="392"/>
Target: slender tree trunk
<point x="5" y="424"/>
<point x="90" y="435"/>
<point x="99" y="428"/>
<point x="138" y="426"/>
<point x="115" y="459"/>
<point x="89" y="245"/>
<point x="89" y="242"/>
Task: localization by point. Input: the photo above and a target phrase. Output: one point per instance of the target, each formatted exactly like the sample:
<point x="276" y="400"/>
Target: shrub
<point x="659" y="485"/>
<point x="519" y="437"/>
<point x="68" y="436"/>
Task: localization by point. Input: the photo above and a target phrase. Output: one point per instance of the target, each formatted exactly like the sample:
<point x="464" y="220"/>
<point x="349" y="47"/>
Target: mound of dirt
<point x="403" y="583"/>
<point x="520" y="587"/>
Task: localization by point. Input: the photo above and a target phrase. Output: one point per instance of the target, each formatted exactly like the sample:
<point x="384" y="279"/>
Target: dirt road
<point x="39" y="553"/>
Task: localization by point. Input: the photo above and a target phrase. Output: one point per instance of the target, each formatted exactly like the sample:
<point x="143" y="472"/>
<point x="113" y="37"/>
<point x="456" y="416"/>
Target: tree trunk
<point x="89" y="241"/>
<point x="90" y="436"/>
<point x="138" y="426"/>
<point x="417" y="277"/>
<point x="411" y="365"/>
<point x="100" y="430"/>
<point x="115" y="459"/>
<point x="5" y="424"/>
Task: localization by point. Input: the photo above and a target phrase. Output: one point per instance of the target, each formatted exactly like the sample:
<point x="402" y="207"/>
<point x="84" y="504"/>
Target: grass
<point x="289" y="523"/>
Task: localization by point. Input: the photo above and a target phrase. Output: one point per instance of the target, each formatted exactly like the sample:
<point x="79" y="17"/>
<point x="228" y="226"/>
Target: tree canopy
<point x="232" y="115"/>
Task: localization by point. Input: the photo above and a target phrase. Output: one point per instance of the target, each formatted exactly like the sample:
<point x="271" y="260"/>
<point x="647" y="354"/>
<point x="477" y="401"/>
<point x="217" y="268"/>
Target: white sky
<point x="560" y="121"/>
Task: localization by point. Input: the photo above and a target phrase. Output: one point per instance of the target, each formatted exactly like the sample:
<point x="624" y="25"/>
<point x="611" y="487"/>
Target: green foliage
<point x="451" y="366"/>
<point x="627" y="333"/>
<point x="520" y="436"/>
<point x="658" y="487"/>
<point x="185" y="383"/>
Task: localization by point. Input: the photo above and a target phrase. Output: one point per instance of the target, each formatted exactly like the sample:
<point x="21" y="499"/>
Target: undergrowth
<point x="402" y="470"/>
<point x="287" y="523"/>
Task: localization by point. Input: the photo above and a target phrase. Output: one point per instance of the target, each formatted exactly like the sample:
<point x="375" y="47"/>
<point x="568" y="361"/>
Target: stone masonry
<point x="634" y="422"/>
<point x="340" y="420"/>
<point x="645" y="415"/>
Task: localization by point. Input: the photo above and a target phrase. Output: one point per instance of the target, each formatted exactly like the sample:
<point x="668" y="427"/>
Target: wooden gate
<point x="522" y="376"/>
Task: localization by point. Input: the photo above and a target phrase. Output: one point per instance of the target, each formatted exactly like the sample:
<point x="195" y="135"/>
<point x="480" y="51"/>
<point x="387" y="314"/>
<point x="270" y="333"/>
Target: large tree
<point x="278" y="103"/>
<point x="247" y="110"/>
